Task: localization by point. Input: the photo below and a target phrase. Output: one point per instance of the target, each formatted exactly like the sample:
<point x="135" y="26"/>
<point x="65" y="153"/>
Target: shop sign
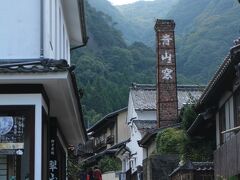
<point x="53" y="162"/>
<point x="12" y="135"/>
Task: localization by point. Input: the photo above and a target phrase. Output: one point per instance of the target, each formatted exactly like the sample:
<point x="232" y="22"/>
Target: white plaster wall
<point x="20" y="29"/>
<point x="134" y="147"/>
<point x="109" y="176"/>
<point x="56" y="37"/>
<point x="146" y="115"/>
<point x="131" y="111"/>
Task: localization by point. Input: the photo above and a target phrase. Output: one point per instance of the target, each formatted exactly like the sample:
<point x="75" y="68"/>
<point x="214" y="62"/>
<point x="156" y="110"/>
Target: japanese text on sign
<point x="167" y="57"/>
<point x="52" y="168"/>
<point x="166" y="40"/>
<point x="167" y="74"/>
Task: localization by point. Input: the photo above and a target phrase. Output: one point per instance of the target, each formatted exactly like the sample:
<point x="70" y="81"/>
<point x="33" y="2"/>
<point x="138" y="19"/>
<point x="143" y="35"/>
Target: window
<point x="17" y="142"/>
<point x="237" y="108"/>
<point x="222" y="122"/>
<point x="226" y="121"/>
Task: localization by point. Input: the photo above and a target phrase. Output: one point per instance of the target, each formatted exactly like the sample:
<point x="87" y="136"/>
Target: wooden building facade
<point x="219" y="109"/>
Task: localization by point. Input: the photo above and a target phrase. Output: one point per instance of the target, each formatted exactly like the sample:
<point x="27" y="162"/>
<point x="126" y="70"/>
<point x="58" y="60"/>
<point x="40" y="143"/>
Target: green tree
<point x="170" y="141"/>
<point x="198" y="149"/>
<point x="110" y="164"/>
<point x="188" y="116"/>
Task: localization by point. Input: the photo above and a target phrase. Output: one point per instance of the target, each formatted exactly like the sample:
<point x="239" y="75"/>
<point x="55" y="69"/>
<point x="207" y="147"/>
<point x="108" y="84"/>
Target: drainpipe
<point x="41" y="30"/>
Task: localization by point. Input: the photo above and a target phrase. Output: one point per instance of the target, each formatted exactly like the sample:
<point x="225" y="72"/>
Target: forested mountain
<point x="205" y="31"/>
<point x="136" y="20"/>
<point x="142" y="15"/>
<point x="106" y="68"/>
<point x="129" y="30"/>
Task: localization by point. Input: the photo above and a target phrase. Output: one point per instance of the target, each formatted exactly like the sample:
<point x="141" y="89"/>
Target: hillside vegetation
<point x="116" y="54"/>
<point x="205" y="31"/>
<point x="106" y="68"/>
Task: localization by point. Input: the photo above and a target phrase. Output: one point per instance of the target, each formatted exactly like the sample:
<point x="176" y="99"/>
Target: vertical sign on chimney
<point x="167" y="108"/>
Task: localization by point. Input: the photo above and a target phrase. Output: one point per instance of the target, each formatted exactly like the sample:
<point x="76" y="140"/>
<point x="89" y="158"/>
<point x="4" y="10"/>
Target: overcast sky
<point x="120" y="2"/>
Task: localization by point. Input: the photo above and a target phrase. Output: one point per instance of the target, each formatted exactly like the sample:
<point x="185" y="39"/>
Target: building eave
<point x="75" y="19"/>
<point x="58" y="81"/>
<point x="151" y="135"/>
<point x="225" y="72"/>
<point x="105" y="118"/>
<point x="112" y="150"/>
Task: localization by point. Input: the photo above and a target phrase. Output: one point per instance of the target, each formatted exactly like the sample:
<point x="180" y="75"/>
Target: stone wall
<point x="158" y="167"/>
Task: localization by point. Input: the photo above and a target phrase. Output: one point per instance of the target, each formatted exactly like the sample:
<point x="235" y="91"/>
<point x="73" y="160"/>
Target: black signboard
<point x="52" y="151"/>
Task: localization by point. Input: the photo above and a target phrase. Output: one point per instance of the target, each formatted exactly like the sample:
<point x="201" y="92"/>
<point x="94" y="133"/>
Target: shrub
<point x="109" y="164"/>
<point x="170" y="141"/>
<point x="188" y="116"/>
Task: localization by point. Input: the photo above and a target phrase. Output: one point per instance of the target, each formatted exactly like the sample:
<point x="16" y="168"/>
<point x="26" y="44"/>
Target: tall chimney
<point x="167" y="103"/>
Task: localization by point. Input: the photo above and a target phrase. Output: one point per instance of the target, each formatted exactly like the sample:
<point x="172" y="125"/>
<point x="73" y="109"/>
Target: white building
<point x="40" y="111"/>
<point x="142" y="119"/>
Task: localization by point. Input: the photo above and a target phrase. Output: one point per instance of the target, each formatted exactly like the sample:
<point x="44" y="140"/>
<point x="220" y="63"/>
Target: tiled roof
<point x="112" y="150"/>
<point x="100" y="123"/>
<point x="188" y="94"/>
<point x="196" y="166"/>
<point x="228" y="63"/>
<point x="145" y="124"/>
<point x="38" y="66"/>
<point x="144" y="95"/>
<point x="151" y="134"/>
<point x="44" y="66"/>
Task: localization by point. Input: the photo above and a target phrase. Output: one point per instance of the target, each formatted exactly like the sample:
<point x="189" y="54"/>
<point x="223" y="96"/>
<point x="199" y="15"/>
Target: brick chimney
<point x="167" y="105"/>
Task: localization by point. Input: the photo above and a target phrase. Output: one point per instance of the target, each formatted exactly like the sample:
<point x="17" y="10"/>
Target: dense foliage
<point x="188" y="116"/>
<point x="106" y="68"/>
<point x="73" y="165"/>
<point x="176" y="141"/>
<point x="110" y="164"/>
<point x="198" y="149"/>
<point x="170" y="141"/>
<point x="142" y="15"/>
<point x="108" y="65"/>
<point x="205" y="31"/>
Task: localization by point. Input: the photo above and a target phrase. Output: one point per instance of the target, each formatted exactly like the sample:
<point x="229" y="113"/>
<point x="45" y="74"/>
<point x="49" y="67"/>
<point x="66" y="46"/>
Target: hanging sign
<point x="12" y="135"/>
<point x="53" y="162"/>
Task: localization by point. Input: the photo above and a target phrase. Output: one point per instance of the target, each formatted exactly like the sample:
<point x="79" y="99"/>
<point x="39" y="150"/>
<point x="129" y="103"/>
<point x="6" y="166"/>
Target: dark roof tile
<point x="144" y="95"/>
<point x="145" y="124"/>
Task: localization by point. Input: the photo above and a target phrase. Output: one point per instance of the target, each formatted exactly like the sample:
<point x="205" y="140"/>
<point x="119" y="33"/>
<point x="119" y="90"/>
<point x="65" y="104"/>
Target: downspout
<point x="41" y="30"/>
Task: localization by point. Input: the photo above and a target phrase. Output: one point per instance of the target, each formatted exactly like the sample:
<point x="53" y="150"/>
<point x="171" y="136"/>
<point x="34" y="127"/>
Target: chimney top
<point x="163" y="24"/>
